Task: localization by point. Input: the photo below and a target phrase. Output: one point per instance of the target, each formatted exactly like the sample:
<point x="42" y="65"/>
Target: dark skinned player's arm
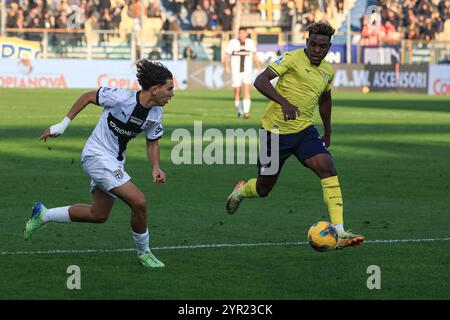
<point x="325" y="113"/>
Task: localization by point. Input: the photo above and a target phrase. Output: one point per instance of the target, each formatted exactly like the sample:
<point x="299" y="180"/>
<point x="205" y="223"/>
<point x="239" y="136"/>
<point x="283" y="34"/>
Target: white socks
<point x="60" y="214"/>
<point x="246" y="103"/>
<point x="339" y="227"/>
<point x="238" y="105"/>
<point x="142" y="241"/>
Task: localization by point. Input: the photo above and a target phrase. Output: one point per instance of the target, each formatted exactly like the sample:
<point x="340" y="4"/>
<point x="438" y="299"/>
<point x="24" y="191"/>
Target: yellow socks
<point x="248" y="190"/>
<point x="331" y="195"/>
<point x="333" y="199"/>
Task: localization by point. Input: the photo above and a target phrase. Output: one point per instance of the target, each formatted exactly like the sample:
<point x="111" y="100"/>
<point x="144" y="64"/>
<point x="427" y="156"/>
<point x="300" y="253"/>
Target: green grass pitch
<point x="392" y="154"/>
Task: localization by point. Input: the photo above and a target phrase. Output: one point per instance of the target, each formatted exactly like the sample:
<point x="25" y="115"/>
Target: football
<point x="322" y="236"/>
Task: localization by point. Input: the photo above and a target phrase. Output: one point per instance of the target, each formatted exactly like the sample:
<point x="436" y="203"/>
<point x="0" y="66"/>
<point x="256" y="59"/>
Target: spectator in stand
<point x="199" y="21"/>
<point x="413" y="32"/>
<point x="25" y="6"/>
<point x="393" y="18"/>
<point x="424" y="10"/>
<point x="62" y="39"/>
<point x="171" y="24"/>
<point x="429" y="32"/>
<point x="176" y="5"/>
<point x="213" y="16"/>
<point x="421" y="23"/>
<point x="224" y="11"/>
<point x="49" y="20"/>
<point x="340" y="6"/>
<point x="226" y="19"/>
<point x="116" y="17"/>
<point x="12" y="18"/>
<point x="438" y="22"/>
<point x="391" y="36"/>
<point x="408" y="5"/>
<point x="370" y="33"/>
<point x="103" y="4"/>
<point x="444" y="9"/>
<point x="409" y="18"/>
<point x="189" y="54"/>
<point x="34" y="21"/>
<point x="105" y="24"/>
<point x="153" y="8"/>
<point x="40" y="5"/>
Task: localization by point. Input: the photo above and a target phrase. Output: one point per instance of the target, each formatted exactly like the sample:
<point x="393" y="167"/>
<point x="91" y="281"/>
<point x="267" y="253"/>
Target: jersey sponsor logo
<point x="114" y="127"/>
<point x="118" y="174"/>
<point x="241" y="53"/>
<point x="124" y="133"/>
<point x="279" y="60"/>
<point x="325" y="77"/>
<point x="135" y="120"/>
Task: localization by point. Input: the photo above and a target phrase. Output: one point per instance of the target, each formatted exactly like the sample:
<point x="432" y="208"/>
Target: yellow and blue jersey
<point x="302" y="84"/>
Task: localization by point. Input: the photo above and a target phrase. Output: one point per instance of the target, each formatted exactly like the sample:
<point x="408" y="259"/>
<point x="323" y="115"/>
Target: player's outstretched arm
<point x="263" y="85"/>
<point x="59" y="128"/>
<point x="325" y="113"/>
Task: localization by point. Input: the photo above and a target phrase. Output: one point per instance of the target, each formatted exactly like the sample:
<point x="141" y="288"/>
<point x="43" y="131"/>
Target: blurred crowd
<point x="108" y="14"/>
<point x="407" y="19"/>
<point x="410" y="19"/>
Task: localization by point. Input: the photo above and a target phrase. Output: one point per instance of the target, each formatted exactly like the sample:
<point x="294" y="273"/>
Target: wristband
<point x="59" y="128"/>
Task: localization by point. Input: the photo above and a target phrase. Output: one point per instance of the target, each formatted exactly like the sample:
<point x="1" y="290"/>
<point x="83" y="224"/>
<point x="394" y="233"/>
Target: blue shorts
<point x="303" y="145"/>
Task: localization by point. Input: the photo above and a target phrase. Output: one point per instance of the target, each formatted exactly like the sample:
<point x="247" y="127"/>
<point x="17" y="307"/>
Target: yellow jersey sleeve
<point x="329" y="83"/>
<point x="282" y="64"/>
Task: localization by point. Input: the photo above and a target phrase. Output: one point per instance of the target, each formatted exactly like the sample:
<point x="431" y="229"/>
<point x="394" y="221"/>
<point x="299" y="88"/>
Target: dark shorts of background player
<point x="303" y="145"/>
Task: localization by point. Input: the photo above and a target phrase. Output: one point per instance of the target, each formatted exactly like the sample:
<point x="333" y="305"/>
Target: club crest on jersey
<point x="325" y="77"/>
<point x="118" y="174"/>
<point x="279" y="60"/>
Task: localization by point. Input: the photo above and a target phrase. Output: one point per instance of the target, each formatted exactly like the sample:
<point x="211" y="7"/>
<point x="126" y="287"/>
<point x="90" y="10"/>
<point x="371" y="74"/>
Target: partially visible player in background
<point x="304" y="83"/>
<point x="241" y="52"/>
<point x="126" y="113"/>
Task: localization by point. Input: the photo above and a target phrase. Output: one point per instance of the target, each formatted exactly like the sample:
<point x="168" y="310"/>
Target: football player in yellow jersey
<point x="304" y="82"/>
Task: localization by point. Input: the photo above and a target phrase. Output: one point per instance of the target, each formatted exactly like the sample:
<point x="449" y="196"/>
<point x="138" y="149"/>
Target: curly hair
<point x="321" y="28"/>
<point x="151" y="74"/>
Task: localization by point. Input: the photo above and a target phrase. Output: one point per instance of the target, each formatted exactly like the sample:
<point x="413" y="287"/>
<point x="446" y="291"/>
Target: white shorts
<point x="240" y="78"/>
<point x="106" y="173"/>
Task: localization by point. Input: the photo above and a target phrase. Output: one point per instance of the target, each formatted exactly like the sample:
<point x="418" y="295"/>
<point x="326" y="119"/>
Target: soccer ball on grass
<point x="322" y="236"/>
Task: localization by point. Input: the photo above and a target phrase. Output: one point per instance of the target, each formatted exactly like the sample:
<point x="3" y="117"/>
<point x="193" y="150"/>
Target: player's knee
<point x="139" y="205"/>
<point x="99" y="216"/>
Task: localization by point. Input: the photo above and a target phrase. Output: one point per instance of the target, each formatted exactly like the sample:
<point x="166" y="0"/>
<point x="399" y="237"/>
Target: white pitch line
<point x="206" y="246"/>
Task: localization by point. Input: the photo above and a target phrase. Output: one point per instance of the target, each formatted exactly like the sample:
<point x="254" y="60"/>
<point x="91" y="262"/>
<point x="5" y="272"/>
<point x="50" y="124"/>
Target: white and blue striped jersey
<point x="122" y="119"/>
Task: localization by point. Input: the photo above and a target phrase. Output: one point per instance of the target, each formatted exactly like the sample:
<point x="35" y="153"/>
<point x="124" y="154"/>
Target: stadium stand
<point x="110" y="28"/>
